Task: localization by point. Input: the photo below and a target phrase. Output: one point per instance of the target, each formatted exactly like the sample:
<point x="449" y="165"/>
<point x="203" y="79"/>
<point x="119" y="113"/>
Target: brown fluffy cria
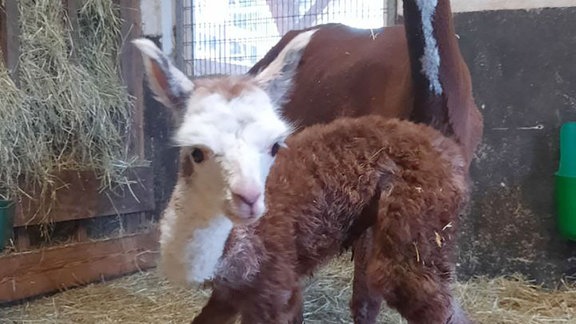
<point x="320" y="191"/>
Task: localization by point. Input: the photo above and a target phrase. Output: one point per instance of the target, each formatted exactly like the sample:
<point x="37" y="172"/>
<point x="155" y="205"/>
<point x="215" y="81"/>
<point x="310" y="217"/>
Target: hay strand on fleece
<point x="68" y="113"/>
<point x="144" y="298"/>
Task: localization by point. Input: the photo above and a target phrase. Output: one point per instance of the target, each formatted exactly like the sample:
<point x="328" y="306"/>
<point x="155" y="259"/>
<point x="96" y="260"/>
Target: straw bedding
<point x="144" y="298"/>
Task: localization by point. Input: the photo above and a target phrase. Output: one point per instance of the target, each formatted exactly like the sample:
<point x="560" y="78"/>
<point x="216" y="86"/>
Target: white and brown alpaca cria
<point x="406" y="182"/>
<point x="229" y="132"/>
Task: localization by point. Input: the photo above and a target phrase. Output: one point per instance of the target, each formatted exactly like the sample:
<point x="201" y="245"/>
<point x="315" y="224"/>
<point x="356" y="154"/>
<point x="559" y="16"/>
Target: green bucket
<point x="6" y="222"/>
<point x="565" y="182"/>
<point x="566" y="206"/>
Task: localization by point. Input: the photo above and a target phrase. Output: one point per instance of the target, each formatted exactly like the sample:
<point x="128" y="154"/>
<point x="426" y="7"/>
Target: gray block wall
<point x="523" y="67"/>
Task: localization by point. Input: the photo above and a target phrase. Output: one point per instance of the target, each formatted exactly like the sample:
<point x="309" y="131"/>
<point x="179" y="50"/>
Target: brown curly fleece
<point x="403" y="181"/>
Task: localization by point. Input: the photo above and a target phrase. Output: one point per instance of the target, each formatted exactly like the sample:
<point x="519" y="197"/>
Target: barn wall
<point x="158" y="18"/>
<point x="483" y="5"/>
<point x="524" y="78"/>
<point x="160" y="151"/>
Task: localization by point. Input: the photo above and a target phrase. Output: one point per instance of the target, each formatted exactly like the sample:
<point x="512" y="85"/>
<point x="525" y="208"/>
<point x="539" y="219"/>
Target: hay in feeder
<point x="144" y="298"/>
<point x="69" y="110"/>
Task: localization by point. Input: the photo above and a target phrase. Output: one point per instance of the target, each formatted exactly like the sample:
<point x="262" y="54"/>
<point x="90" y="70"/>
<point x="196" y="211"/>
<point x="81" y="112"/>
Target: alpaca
<point x="229" y="131"/>
<point x="414" y="72"/>
<point x="406" y="182"/>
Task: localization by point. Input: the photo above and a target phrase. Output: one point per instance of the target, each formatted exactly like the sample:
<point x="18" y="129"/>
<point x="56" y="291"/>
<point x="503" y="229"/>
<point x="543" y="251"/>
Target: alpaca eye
<point x="275" y="148"/>
<point x="197" y="155"/>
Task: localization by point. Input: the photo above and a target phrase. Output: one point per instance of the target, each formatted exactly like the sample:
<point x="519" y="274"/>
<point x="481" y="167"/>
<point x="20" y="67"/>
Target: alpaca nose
<point x="247" y="197"/>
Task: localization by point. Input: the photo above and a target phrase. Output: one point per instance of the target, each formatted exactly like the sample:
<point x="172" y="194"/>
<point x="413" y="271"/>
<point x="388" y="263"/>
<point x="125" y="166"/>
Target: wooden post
<point x="133" y="77"/>
<point x="71" y="18"/>
<point x="10" y="44"/>
<point x="132" y="70"/>
<point x="10" y="38"/>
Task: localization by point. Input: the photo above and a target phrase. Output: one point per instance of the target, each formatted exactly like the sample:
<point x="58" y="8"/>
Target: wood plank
<point x="77" y="197"/>
<point x="137" y="197"/>
<point x="81" y="233"/>
<point x="134" y="221"/>
<point x="22" y="239"/>
<point x="132" y="70"/>
<point x="12" y="29"/>
<point x="34" y="273"/>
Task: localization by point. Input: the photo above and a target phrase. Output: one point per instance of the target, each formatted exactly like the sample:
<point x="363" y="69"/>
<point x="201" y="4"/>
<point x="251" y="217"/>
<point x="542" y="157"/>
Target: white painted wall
<point x="485" y="5"/>
<point x="158" y="20"/>
<point x="151" y="19"/>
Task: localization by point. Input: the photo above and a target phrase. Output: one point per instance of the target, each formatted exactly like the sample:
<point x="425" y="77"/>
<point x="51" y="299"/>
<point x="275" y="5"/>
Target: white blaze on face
<point x="235" y="121"/>
<point x="239" y="134"/>
<point x="194" y="229"/>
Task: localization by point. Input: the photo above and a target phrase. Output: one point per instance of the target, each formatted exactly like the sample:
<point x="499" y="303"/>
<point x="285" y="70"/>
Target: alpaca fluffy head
<point x="229" y="128"/>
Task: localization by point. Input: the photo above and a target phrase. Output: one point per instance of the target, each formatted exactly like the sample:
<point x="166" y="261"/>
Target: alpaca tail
<point x="441" y="79"/>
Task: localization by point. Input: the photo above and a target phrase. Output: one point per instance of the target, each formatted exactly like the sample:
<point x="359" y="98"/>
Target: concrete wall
<point x="483" y="5"/>
<point x="487" y="5"/>
<point x="523" y="66"/>
<point x="158" y="19"/>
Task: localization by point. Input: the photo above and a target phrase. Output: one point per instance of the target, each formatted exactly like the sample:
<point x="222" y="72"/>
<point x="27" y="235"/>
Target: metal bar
<point x="179" y="54"/>
<point x="391" y="8"/>
<point x="192" y="74"/>
<point x="168" y="42"/>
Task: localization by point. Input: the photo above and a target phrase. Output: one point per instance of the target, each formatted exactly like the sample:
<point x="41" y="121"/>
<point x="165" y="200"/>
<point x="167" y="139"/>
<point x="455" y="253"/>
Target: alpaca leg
<point x="281" y="306"/>
<point x="296" y="306"/>
<point x="263" y="315"/>
<point x="420" y="294"/>
<point x="218" y="310"/>
<point x="365" y="305"/>
<point x="458" y="314"/>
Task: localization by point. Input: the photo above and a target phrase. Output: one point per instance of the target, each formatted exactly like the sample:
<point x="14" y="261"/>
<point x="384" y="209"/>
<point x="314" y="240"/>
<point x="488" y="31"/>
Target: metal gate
<point x="230" y="36"/>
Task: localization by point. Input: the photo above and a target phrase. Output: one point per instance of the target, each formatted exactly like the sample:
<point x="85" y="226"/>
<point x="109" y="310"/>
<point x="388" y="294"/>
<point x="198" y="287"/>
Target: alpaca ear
<point x="169" y="85"/>
<point x="276" y="78"/>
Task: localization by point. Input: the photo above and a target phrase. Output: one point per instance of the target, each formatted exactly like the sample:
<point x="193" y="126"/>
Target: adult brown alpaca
<point x="405" y="181"/>
<point x="348" y="71"/>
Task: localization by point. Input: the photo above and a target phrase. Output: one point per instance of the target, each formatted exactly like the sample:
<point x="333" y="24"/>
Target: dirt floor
<point x="145" y="298"/>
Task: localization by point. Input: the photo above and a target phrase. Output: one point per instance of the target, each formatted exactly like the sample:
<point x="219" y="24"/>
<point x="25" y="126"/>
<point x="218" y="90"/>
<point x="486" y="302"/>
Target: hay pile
<point x="143" y="298"/>
<point x="70" y="110"/>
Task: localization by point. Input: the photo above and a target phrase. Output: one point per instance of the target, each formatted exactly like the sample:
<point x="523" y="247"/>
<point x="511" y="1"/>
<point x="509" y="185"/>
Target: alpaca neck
<point x="205" y="248"/>
<point x="193" y="236"/>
